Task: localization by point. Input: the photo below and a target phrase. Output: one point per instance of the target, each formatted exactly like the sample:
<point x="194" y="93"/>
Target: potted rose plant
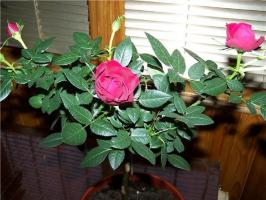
<point x="129" y="108"/>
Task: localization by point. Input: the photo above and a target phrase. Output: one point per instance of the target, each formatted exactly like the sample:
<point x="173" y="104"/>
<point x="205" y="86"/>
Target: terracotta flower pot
<point x="155" y="181"/>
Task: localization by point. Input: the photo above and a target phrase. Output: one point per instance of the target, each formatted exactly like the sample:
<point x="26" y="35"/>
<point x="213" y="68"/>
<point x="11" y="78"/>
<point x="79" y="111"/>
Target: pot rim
<point x="101" y="183"/>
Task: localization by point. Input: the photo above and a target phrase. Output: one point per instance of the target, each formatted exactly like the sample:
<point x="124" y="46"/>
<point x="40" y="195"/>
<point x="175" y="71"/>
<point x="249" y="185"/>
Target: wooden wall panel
<point x="102" y="14"/>
<point x="233" y="141"/>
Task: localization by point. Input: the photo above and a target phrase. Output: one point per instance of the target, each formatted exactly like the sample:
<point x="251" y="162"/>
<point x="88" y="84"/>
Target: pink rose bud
<point x="12" y="28"/>
<point x="114" y="83"/>
<point x="242" y="37"/>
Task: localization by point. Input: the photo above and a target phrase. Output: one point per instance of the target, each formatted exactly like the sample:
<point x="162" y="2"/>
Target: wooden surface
<point x="235" y="142"/>
<point x="102" y="13"/>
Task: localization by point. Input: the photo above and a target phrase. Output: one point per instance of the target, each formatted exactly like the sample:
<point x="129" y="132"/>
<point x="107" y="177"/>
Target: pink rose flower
<point x="242" y="37"/>
<point x="114" y="83"/>
<point x="12" y="28"/>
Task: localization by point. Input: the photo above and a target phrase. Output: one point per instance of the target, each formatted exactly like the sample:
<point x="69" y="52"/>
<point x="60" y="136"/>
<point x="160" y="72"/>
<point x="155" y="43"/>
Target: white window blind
<point x="196" y="25"/>
<point x="43" y="19"/>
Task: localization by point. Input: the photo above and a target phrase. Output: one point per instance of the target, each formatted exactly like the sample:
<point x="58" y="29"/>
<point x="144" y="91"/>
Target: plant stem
<point x="110" y="51"/>
<point x="23" y="44"/>
<point x="124" y="187"/>
<point x="238" y="66"/>
<point x="9" y="66"/>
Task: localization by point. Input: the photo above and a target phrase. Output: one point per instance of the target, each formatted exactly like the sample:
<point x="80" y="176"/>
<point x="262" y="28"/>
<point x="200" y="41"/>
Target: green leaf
<point x="197" y="86"/>
<point x="68" y="99"/>
<point x="42" y="58"/>
<point x="80" y="38"/>
<point x="82" y="115"/>
<point x="5" y="89"/>
<point x="155" y="142"/>
<point x="263" y="111"/>
<point x="22" y="78"/>
<point x="76" y="80"/>
<point x="143" y="151"/>
<point x="65" y="59"/>
<point x="179" y="104"/>
<point x="178" y="162"/>
<point x="235" y="85"/>
<point x="115" y="122"/>
<point x="215" y="86"/>
<point x="195" y="109"/>
<point x="174" y="77"/>
<point x="178" y="62"/>
<point x="74" y="134"/>
<point x="49" y="105"/>
<point x="45" y="81"/>
<point x="161" y="82"/>
<point x="27" y="53"/>
<point x="178" y="145"/>
<point x="153" y="98"/>
<point x="116" y="158"/>
<point x="140" y="135"/>
<point x="52" y="140"/>
<point x="198" y="119"/>
<point x="259" y="98"/>
<point x="122" y="140"/>
<point x="103" y="127"/>
<point x="36" y="101"/>
<point x="84" y="98"/>
<point x="159" y="50"/>
<point x="235" y="98"/>
<point x="94" y="157"/>
<point x="147" y="116"/>
<point x="151" y="60"/>
<point x="196" y="71"/>
<point x="43" y="45"/>
<point x="123" y="52"/>
<point x="133" y="114"/>
<point x="106" y="144"/>
<point x="136" y="65"/>
<point x="251" y="107"/>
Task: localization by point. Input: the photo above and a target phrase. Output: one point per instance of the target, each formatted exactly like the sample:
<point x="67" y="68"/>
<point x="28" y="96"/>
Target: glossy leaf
<point x="178" y="62"/>
<point x="123" y="52"/>
<point x="196" y="71"/>
<point x="81" y="114"/>
<point x="52" y="140"/>
<point x="116" y="158"/>
<point x="215" y="86"/>
<point x="65" y="59"/>
<point x="178" y="145"/>
<point x="74" y="134"/>
<point x="5" y="89"/>
<point x="151" y="60"/>
<point x="76" y="80"/>
<point x="80" y="38"/>
<point x="144" y="151"/>
<point x="95" y="157"/>
<point x="103" y="127"/>
<point x="159" y="50"/>
<point x="259" y="98"/>
<point x="122" y="140"/>
<point x="235" y="85"/>
<point x="153" y="98"/>
<point x="178" y="162"/>
<point x="179" y="104"/>
<point x="68" y="99"/>
<point x="140" y="135"/>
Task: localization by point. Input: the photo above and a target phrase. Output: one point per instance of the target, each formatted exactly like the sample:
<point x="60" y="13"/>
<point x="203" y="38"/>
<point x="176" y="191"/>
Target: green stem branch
<point x="238" y="66"/>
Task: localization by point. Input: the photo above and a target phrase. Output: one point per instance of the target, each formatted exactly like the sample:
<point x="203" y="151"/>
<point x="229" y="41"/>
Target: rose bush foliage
<point x="132" y="103"/>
